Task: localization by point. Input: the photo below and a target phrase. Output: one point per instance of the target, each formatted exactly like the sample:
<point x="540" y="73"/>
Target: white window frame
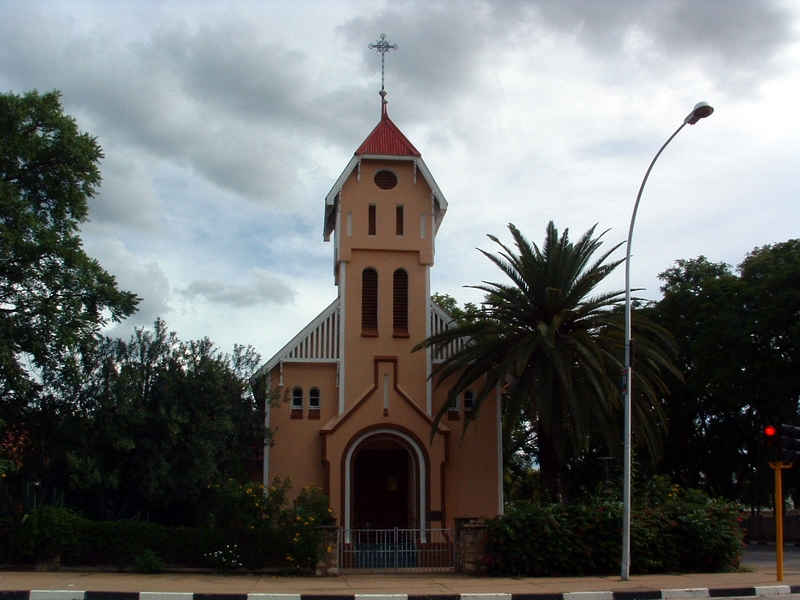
<point x="295" y="406"/>
<point x="311" y="398"/>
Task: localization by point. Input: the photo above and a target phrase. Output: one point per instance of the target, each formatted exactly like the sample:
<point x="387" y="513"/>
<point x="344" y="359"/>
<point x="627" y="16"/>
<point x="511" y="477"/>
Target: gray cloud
<point x="219" y="99"/>
<point x="145" y="278"/>
<point x="731" y="41"/>
<point x="127" y="196"/>
<point x="264" y="289"/>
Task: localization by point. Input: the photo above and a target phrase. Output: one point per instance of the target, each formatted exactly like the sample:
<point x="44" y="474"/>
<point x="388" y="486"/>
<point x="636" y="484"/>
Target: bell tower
<point x="384" y="211"/>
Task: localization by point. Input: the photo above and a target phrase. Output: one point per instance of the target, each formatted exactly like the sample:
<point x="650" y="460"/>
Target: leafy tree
<point x="470" y="312"/>
<point x="739" y="349"/>
<point x="556" y="349"/>
<point x="52" y="295"/>
<point x="160" y="420"/>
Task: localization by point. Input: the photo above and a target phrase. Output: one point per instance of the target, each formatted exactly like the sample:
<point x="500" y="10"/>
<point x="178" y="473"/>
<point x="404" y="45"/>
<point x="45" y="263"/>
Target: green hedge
<point x="687" y="532"/>
<point x="261" y="528"/>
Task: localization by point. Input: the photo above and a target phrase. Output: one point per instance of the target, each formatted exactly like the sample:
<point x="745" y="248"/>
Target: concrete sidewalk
<point x="417" y="584"/>
<point x="758" y="562"/>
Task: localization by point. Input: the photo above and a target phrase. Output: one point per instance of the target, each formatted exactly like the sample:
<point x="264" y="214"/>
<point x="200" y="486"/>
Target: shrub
<point x="261" y="525"/>
<point x="48" y="533"/>
<point x="672" y="530"/>
<point x="224" y="559"/>
<point x="148" y="562"/>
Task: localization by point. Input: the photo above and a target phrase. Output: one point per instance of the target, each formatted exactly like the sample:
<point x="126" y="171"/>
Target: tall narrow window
<point x="399" y="219"/>
<point x="313" y="403"/>
<point x="469" y="401"/>
<point x="400" y="303"/>
<point x="297" y="403"/>
<point x="297" y="398"/>
<point x="452" y="408"/>
<point x="371" y="225"/>
<point x="369" y="302"/>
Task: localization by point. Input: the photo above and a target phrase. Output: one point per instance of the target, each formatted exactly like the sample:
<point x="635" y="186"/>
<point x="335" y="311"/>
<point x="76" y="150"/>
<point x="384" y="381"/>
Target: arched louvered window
<point x="400" y="303"/>
<point x="369" y="302"/>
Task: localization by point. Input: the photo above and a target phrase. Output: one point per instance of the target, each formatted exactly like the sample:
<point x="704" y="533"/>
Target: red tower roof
<point x="387" y="139"/>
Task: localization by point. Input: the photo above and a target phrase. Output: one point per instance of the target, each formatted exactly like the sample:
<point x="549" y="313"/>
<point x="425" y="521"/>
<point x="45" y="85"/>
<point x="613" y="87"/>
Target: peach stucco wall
<point x="385" y="383"/>
<point x="472" y="481"/>
<point x="296" y="447"/>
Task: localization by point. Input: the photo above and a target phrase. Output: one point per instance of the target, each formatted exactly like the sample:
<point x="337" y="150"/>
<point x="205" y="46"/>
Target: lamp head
<point x="700" y="111"/>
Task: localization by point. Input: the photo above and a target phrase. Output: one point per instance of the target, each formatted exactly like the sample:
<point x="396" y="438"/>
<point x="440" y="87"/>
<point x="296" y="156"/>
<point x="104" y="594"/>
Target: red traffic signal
<point x="770" y="431"/>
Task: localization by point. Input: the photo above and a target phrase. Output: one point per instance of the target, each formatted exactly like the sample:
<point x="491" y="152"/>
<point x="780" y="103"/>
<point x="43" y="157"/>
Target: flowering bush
<point x="226" y="559"/>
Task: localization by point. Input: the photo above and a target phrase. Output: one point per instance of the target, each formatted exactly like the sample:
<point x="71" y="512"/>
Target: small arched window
<point x="400" y="303"/>
<point x="297" y="398"/>
<point x="369" y="302"/>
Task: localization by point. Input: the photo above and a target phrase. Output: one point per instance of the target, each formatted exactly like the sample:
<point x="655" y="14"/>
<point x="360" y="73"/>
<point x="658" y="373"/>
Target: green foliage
<point x="224" y="559"/>
<point x="555" y="344"/>
<point x="470" y="312"/>
<point x="53" y="297"/>
<point x="141" y="428"/>
<point x="671" y="530"/>
<point x="246" y="526"/>
<point x="739" y="349"/>
<point x="148" y="562"/>
<point x="48" y="533"/>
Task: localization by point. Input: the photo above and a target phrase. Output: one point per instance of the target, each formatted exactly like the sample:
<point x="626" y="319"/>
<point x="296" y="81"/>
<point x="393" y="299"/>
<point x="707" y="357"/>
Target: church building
<point x="356" y="406"/>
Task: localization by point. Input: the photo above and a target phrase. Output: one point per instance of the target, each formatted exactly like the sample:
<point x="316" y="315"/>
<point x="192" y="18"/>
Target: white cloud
<point x="263" y="288"/>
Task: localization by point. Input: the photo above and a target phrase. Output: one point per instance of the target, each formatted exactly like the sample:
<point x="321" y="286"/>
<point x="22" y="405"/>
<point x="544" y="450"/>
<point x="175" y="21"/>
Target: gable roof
<point x="385" y="142"/>
<point x="316" y="342"/>
<point x="386" y="138"/>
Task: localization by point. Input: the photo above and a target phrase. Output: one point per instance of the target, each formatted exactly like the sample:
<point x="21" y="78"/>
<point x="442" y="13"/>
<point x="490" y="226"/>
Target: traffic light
<point x="782" y="442"/>
<point x="790" y="443"/>
<point x="771" y="442"/>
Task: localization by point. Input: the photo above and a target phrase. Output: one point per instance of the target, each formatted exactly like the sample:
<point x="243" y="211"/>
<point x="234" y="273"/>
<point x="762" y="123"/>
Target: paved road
<point x="763" y="555"/>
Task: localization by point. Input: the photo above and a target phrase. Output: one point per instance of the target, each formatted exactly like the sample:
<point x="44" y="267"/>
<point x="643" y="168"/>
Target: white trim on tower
<point x="342" y="327"/>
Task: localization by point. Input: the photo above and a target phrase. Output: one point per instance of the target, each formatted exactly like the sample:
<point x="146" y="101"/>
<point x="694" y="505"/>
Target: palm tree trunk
<point x="550" y="462"/>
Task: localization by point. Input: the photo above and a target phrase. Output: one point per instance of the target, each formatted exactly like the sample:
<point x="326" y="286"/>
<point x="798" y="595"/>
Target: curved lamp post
<point x="700" y="111"/>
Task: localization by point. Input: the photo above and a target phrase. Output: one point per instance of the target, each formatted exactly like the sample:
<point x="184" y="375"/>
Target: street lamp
<point x="700" y="111"/>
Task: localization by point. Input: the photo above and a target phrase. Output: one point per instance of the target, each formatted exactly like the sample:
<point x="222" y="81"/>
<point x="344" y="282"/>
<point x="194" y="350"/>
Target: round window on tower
<point x="385" y="180"/>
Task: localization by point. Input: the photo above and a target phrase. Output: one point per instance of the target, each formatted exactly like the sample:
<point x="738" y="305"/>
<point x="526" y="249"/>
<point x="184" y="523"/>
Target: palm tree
<point x="554" y="345"/>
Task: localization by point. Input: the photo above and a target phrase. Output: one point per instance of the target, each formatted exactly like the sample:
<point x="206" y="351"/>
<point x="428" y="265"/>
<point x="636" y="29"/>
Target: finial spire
<point x="382" y="47"/>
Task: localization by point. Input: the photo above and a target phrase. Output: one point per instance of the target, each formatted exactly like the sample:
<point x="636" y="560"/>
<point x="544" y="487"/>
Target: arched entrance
<point x="385" y="481"/>
<point x="385" y="500"/>
<point x="385" y="488"/>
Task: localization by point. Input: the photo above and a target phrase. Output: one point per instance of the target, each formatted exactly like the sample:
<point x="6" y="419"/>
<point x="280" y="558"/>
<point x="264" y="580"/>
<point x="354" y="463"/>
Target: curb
<point x="769" y="591"/>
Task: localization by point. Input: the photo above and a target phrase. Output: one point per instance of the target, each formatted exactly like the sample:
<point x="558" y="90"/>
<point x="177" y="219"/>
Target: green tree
<point x="555" y="346"/>
<point x="739" y="349"/>
<point x="52" y="295"/>
<point x="160" y="420"/>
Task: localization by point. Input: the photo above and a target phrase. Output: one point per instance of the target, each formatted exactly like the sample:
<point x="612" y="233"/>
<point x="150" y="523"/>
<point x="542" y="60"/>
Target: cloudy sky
<point x="224" y="124"/>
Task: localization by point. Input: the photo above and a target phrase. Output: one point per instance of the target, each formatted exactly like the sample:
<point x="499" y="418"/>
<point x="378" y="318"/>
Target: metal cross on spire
<point x="382" y="47"/>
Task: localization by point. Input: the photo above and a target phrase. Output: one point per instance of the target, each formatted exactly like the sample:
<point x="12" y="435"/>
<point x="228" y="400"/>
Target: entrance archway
<point x="384" y="484"/>
<point x="385" y="473"/>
